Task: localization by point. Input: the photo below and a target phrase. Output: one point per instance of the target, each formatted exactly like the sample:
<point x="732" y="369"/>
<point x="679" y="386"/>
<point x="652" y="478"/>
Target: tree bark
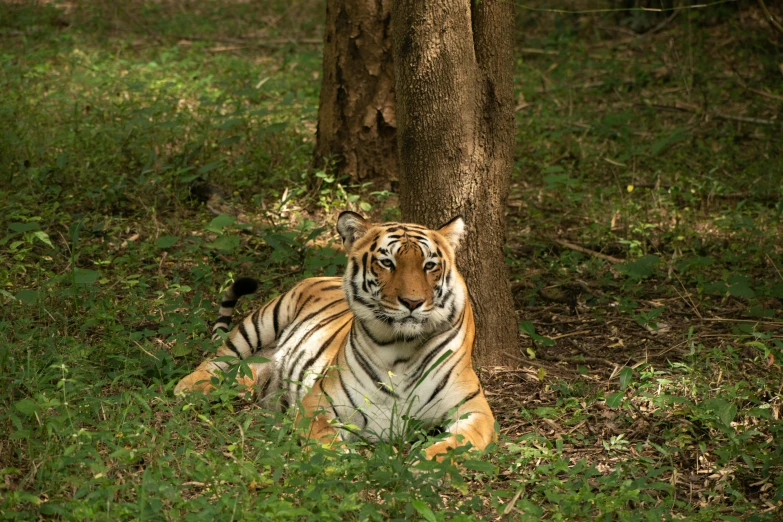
<point x="356" y="120"/>
<point x="453" y="69"/>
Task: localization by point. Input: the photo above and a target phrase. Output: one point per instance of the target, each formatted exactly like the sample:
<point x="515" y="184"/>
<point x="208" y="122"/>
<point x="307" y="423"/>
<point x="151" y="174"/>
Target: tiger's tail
<point x="240" y="287"/>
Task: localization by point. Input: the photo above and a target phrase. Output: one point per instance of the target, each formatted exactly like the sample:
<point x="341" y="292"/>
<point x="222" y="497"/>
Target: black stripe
<point x="371" y="372"/>
<point x="284" y="403"/>
<point x="330" y="288"/>
<point x="276" y="315"/>
<point x="350" y="398"/>
<point x="318" y="354"/>
<point x="243" y="331"/>
<point x="372" y="337"/>
<point x="413" y="379"/>
<point x="330" y="401"/>
<point x="230" y="303"/>
<point x="364" y="272"/>
<point x="254" y="319"/>
<point x="470" y="397"/>
<point x="290" y="374"/>
<point x="264" y="388"/>
<point x="444" y="380"/>
<point x="302" y="341"/>
<point x="233" y="348"/>
<point x="452" y="312"/>
<point x="291" y="331"/>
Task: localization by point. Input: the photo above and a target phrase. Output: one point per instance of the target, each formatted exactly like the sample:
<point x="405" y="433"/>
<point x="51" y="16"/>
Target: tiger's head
<point x="401" y="280"/>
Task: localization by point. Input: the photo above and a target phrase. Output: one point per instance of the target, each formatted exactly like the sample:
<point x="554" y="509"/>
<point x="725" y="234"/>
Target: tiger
<point x="388" y="343"/>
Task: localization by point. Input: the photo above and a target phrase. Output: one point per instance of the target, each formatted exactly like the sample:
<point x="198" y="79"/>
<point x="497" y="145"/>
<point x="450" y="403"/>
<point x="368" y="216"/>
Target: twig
<point x="774" y="23"/>
<point x="510" y="506"/>
<point x="775" y="266"/>
<point x="687" y="294"/>
<point x="587" y="251"/>
<point x="530" y="50"/>
<point x="757" y="121"/>
<point x="578" y="359"/>
<point x="249" y="42"/>
<point x="587" y="85"/>
<point x="766" y="94"/>
<point x="570" y="334"/>
<point x="537" y="364"/>
<point x="661" y="25"/>
<point x="719" y="115"/>
<point x="725" y="320"/>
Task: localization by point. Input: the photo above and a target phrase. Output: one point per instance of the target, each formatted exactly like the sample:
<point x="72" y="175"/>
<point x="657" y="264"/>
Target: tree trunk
<point x="453" y="69"/>
<point x="356" y="122"/>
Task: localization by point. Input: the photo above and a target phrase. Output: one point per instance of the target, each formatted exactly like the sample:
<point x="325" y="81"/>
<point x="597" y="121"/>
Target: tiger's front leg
<point x="316" y="419"/>
<point x="201" y="378"/>
<point x="472" y="423"/>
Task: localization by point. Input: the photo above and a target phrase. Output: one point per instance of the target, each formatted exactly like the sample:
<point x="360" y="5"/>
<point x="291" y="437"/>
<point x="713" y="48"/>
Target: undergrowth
<point x="152" y="151"/>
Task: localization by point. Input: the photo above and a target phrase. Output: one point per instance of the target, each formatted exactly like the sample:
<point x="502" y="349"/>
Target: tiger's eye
<point x="387" y="263"/>
<point x="430" y="265"/>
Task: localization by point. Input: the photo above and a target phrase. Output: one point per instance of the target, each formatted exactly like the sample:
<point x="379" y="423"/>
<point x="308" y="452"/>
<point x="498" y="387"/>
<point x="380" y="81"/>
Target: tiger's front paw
<point x="438" y="450"/>
<point x="199" y="380"/>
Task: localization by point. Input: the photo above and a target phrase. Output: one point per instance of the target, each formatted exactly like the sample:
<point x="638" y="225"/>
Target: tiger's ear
<point x="453" y="231"/>
<point x="351" y="226"/>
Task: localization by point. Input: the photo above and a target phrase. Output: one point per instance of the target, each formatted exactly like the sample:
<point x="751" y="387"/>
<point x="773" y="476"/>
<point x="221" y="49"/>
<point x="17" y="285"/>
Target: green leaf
<point x="27" y="406"/>
<point x="85" y="276"/>
<point x="424" y="510"/>
<point x="209" y="166"/>
<point x="615" y="399"/>
<point x="255" y="359"/>
<point x="528" y="329"/>
<point x="625" y="377"/>
<point x="777" y="290"/>
<point x="227" y="142"/>
<point x="166" y="241"/>
<point x="27" y="296"/>
<point x="642" y="268"/>
<point x="725" y="411"/>
<point x="694" y="262"/>
<point x="480" y="465"/>
<point x="742" y="290"/>
<point x="220" y="222"/>
<point x="181" y="349"/>
<point x="24" y="227"/>
<point x="230" y="124"/>
<point x="760" y="413"/>
<point x="664" y="143"/>
<point x="43" y="237"/>
<point x="276" y="127"/>
<point x="225" y="243"/>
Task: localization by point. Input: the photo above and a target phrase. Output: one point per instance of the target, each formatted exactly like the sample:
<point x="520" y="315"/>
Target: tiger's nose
<point x="411" y="304"/>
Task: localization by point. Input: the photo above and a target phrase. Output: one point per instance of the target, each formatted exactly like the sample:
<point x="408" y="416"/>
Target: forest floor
<point x="151" y="151"/>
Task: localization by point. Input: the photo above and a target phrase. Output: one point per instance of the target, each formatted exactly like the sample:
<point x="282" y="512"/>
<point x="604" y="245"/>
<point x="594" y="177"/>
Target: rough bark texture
<point x="356" y="121"/>
<point x="453" y="68"/>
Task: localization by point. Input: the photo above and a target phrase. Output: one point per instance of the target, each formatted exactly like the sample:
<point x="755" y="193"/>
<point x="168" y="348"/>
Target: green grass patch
<point x="150" y="152"/>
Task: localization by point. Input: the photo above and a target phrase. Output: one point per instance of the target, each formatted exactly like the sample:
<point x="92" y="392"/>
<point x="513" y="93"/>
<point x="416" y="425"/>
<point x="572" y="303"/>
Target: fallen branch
<point x="572" y="246"/>
<point x="727" y="320"/>
<point x="774" y="23"/>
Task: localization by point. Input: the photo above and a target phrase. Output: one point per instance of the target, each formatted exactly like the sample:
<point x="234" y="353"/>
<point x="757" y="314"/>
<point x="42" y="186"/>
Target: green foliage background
<point x="110" y="266"/>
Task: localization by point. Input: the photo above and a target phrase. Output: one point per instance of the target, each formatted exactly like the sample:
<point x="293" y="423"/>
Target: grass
<point x="150" y="151"/>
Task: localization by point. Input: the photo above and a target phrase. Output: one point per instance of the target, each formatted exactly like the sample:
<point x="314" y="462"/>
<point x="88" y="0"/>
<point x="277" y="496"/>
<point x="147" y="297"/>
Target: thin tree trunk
<point x="356" y="120"/>
<point x="453" y="68"/>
